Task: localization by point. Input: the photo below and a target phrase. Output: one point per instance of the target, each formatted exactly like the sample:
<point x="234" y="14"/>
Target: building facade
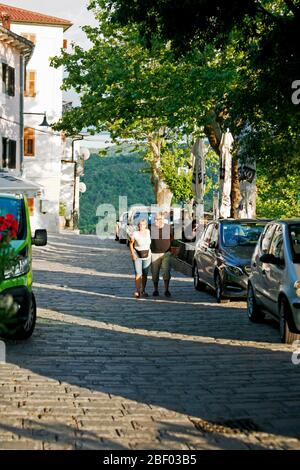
<point x="15" y="52"/>
<point x="42" y="99"/>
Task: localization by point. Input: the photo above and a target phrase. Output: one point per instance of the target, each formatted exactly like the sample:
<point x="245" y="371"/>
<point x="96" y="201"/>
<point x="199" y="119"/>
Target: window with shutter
<point x="4" y="152"/>
<point x="11" y="81"/>
<point x="8" y="80"/>
<point x="9" y="153"/>
<point x="30" y="83"/>
<point x="65" y="44"/>
<point x="12" y="148"/>
<point x="30" y="201"/>
<point x="29" y="142"/>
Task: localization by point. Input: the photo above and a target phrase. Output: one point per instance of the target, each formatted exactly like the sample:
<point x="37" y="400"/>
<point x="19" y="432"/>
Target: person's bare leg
<point x="138" y="285"/>
<point x="144" y="283"/>
<point x="167" y="292"/>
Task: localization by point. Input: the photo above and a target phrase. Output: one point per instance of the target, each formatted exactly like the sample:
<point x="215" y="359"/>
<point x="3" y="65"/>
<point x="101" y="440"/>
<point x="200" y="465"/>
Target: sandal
<point x="137" y="295"/>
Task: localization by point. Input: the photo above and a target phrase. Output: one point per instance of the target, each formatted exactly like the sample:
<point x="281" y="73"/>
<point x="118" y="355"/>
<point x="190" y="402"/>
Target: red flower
<point x="8" y="228"/>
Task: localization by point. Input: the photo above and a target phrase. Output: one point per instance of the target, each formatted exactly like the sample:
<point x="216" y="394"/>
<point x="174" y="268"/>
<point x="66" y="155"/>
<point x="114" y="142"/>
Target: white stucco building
<point x="42" y="146"/>
<point x="15" y="52"/>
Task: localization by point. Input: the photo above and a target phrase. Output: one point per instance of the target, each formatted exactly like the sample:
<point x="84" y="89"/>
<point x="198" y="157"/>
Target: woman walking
<point x="141" y="256"/>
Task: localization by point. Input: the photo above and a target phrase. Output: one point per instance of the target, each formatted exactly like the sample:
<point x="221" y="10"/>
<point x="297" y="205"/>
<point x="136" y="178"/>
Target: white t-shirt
<point x="142" y="240"/>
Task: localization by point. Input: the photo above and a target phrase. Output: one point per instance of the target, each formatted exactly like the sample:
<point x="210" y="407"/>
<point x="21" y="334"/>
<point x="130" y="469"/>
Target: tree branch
<point x="268" y="13"/>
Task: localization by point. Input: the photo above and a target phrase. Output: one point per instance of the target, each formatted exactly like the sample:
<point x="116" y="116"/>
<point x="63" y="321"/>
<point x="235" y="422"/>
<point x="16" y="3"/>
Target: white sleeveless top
<point x="142" y="240"/>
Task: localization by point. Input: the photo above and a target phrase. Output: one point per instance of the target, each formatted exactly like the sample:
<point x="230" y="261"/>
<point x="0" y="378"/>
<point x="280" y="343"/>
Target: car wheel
<point x="25" y="330"/>
<point x="254" y="312"/>
<point x="218" y="288"/>
<point x="286" y="335"/>
<point x="200" y="286"/>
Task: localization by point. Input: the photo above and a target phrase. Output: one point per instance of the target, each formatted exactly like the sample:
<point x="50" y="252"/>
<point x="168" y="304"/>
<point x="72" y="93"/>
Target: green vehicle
<point x="17" y="281"/>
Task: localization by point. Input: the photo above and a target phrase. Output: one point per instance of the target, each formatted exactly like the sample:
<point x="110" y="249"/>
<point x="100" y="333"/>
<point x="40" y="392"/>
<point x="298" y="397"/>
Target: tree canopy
<point x="257" y="38"/>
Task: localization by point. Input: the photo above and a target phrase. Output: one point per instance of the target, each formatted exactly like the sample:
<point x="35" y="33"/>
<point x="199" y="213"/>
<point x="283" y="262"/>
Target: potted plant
<point x="62" y="215"/>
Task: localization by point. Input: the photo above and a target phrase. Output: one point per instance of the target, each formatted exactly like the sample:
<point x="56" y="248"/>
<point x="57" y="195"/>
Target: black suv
<point x="223" y="255"/>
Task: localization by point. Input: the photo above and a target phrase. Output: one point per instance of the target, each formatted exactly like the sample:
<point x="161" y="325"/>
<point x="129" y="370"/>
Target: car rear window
<point x="241" y="234"/>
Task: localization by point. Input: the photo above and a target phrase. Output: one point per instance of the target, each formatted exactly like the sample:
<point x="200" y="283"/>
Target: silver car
<point x="274" y="283"/>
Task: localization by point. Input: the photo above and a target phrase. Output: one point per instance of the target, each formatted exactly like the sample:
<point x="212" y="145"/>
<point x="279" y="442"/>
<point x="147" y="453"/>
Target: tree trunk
<point x="235" y="189"/>
<point x="163" y="195"/>
<point x="213" y="132"/>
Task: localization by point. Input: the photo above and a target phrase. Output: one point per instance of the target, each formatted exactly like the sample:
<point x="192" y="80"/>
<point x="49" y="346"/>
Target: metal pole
<point x="75" y="216"/>
<point x="21" y="140"/>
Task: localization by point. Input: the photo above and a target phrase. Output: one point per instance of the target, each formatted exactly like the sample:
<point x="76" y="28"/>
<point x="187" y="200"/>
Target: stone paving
<point x="106" y="371"/>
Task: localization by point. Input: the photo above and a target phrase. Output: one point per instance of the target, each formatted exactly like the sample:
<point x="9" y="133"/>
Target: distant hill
<point x="107" y="178"/>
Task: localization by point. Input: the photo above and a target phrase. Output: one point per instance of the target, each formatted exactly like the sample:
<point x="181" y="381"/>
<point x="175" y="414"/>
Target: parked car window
<point x="239" y="234"/>
<point x="276" y="247"/>
<point x="267" y="238"/>
<point x="215" y="234"/>
<point x="208" y="233"/>
<point x="294" y="233"/>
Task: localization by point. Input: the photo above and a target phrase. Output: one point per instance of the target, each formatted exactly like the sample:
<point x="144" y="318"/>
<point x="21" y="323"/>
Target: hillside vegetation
<point x="109" y="177"/>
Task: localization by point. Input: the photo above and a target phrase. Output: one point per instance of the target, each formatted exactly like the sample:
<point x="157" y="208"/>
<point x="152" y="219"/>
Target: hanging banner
<point x="225" y="174"/>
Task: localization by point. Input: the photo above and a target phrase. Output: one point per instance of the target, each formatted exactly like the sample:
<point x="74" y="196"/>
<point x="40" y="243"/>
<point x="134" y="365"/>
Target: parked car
<point x="17" y="282"/>
<point x="223" y="254"/>
<point x="121" y="228"/>
<point x="274" y="283"/>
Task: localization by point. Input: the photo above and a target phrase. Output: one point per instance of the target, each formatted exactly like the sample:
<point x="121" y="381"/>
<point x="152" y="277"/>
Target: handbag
<point x="142" y="253"/>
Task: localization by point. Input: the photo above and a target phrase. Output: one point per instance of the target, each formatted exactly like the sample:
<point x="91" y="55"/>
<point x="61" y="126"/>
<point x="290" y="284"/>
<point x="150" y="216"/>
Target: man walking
<point x="161" y="238"/>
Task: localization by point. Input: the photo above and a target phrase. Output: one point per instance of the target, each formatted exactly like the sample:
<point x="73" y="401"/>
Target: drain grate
<point x="236" y="426"/>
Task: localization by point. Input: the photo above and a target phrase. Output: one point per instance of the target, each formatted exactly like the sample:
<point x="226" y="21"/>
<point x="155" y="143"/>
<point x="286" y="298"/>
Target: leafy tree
<point x="279" y="198"/>
<point x="259" y="38"/>
<point x="148" y="95"/>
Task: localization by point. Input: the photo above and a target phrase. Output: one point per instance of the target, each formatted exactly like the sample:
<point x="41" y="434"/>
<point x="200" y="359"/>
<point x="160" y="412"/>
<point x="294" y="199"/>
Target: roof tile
<point x="19" y="15"/>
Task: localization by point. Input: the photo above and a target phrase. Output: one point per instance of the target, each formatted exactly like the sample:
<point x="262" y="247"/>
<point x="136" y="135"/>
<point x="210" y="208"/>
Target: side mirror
<point x="40" y="238"/>
<point x="269" y="259"/>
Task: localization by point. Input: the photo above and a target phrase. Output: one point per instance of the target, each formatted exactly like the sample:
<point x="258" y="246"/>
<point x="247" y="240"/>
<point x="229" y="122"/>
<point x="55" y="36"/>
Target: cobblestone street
<point x="106" y="371"/>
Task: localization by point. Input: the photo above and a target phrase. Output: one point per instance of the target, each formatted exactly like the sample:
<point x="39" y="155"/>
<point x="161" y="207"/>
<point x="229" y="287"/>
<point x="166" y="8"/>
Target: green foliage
<point x="278" y="198"/>
<point x="62" y="209"/>
<point x="109" y="177"/>
<point x="255" y="44"/>
<point x="132" y="91"/>
<point x="180" y="183"/>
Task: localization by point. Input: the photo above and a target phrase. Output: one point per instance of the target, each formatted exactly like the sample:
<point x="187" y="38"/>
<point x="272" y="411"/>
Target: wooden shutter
<point x="30" y="83"/>
<point x="12" y="149"/>
<point x="29" y="142"/>
<point x="30" y="201"/>
<point x="11" y="81"/>
<point x="4" y="77"/>
<point x="4" y="152"/>
<point x="65" y="44"/>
